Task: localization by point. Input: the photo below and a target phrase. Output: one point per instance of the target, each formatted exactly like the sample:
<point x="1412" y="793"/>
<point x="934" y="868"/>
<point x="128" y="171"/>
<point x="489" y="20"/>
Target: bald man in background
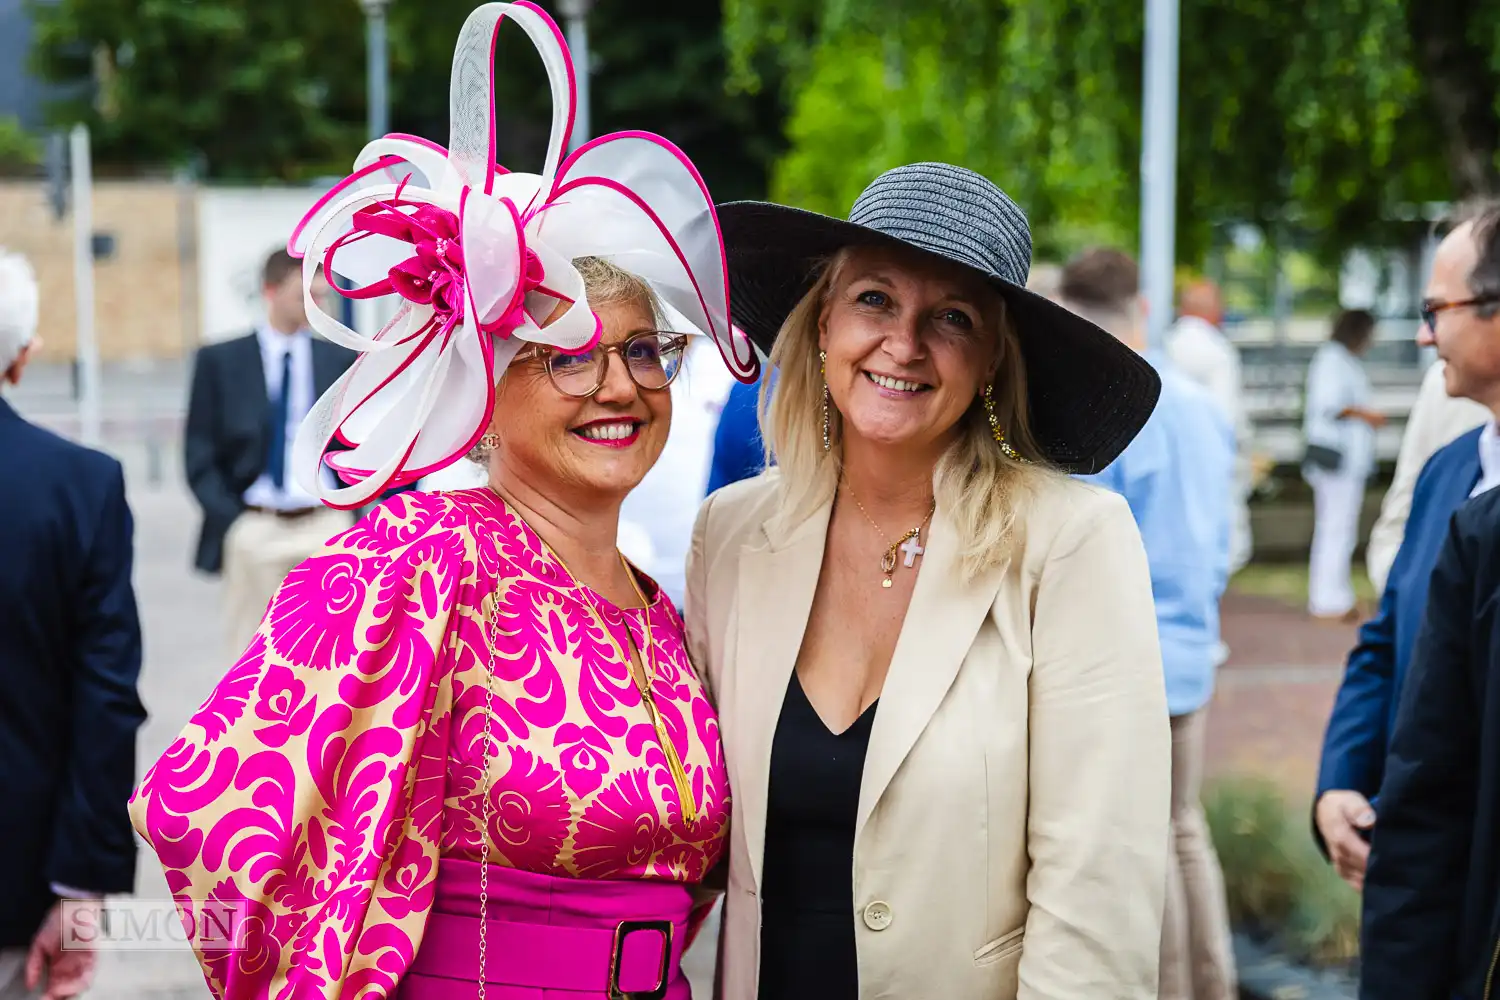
<point x="1199" y="350"/>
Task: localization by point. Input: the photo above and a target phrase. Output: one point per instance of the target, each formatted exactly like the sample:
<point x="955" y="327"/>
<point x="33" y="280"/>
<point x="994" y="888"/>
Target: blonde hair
<point x="981" y="489"/>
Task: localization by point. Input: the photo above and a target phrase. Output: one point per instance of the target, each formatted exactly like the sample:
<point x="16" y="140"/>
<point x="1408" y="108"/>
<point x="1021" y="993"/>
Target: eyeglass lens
<point x="651" y="359"/>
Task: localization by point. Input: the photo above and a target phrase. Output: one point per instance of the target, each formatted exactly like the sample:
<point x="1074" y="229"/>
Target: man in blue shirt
<point x="1177" y="475"/>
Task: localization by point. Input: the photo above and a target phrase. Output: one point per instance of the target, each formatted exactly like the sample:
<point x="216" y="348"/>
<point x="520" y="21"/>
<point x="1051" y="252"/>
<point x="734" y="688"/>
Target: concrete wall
<point x="140" y="292"/>
<point x="185" y="268"/>
<point x="236" y="229"/>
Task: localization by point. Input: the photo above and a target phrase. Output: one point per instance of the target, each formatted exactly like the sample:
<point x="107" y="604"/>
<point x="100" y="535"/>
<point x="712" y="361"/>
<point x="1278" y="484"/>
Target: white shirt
<point x="1489" y="460"/>
<point x="274" y="347"/>
<point x="656" y="520"/>
<point x="1336" y="381"/>
<point x="1199" y="350"/>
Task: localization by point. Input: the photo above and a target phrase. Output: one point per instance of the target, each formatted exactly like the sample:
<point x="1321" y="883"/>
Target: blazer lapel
<point x="941" y="621"/>
<point x="245" y="357"/>
<point x="778" y="579"/>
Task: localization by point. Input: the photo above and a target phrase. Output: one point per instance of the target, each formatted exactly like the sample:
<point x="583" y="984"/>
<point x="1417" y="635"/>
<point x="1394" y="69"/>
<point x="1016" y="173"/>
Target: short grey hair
<point x="20" y="304"/>
<point x="1484" y="279"/>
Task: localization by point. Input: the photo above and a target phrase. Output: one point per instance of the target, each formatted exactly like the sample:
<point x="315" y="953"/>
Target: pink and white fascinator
<point x="478" y="259"/>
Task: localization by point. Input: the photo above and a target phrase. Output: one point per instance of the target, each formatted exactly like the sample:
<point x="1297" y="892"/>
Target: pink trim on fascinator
<point x="477" y="258"/>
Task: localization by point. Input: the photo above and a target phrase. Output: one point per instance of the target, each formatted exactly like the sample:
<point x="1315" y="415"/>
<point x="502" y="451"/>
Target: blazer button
<point x="878" y="916"/>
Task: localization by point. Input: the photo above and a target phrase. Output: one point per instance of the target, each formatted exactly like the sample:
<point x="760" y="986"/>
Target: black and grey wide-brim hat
<point x="1089" y="393"/>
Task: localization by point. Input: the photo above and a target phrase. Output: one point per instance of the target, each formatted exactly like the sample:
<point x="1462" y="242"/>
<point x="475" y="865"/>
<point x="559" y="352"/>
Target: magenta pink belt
<point x="551" y="938"/>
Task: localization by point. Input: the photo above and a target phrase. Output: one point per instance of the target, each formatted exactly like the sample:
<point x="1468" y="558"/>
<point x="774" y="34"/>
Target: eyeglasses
<point x="1431" y="307"/>
<point x="652" y="359"/>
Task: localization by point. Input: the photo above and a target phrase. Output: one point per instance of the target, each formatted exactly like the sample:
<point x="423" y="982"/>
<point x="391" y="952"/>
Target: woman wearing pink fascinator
<point x="466" y="755"/>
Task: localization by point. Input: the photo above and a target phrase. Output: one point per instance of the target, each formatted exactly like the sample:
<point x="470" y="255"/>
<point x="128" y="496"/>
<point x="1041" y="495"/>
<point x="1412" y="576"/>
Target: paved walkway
<point x="1273" y="697"/>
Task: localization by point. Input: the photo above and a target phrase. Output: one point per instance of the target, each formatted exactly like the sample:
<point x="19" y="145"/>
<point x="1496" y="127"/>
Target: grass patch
<point x="1279" y="886"/>
<point x="1287" y="582"/>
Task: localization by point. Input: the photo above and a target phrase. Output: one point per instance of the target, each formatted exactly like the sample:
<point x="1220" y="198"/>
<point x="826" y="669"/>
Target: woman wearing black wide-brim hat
<point x="934" y="653"/>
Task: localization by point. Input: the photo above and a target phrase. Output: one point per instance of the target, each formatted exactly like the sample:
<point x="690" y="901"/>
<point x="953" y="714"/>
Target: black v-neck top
<point x="807" y="892"/>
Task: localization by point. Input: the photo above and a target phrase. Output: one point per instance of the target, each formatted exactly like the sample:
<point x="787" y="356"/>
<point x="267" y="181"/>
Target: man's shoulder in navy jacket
<point x="70" y="657"/>
<point x="1354" y="747"/>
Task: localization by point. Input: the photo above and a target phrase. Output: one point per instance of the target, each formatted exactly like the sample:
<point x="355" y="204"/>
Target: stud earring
<point x="995" y="429"/>
<point x="490" y="442"/>
<point x="823" y="371"/>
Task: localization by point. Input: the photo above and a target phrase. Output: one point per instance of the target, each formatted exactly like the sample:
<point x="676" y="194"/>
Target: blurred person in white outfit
<point x="1436" y="419"/>
<point x="656" y="520"/>
<point x="1339" y="428"/>
<point x="1199" y="349"/>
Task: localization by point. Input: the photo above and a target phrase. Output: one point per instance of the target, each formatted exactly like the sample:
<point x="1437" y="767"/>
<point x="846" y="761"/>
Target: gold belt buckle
<point x="623" y="930"/>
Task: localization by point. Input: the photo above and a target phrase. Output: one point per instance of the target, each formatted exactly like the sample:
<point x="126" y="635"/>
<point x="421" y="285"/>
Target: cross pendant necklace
<point x="909" y="544"/>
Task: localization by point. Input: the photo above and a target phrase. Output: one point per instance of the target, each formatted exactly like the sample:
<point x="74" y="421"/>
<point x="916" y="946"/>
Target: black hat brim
<point x="1089" y="394"/>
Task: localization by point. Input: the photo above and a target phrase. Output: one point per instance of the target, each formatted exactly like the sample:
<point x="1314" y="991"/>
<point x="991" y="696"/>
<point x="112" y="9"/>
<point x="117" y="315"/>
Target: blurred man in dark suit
<point x="70" y="656"/>
<point x="249" y="395"/>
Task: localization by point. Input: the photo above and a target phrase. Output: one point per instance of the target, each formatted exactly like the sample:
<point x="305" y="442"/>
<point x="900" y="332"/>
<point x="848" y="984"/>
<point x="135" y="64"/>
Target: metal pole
<point x="377" y="58"/>
<point x="367" y="315"/>
<point x="1159" y="166"/>
<point x="87" y="349"/>
<point x="577" y="14"/>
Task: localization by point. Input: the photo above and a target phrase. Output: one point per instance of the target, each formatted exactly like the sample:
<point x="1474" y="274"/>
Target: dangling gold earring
<point x="999" y="434"/>
<point x="823" y="371"/>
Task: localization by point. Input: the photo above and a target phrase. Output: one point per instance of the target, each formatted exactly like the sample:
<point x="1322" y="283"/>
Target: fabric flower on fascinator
<point x="478" y="261"/>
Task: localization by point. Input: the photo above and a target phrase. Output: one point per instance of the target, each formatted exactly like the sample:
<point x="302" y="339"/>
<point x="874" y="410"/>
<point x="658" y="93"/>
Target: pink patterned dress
<point x="334" y="765"/>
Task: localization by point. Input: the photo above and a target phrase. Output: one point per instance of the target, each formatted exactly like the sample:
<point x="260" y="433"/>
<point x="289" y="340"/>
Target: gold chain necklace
<point x="648" y="698"/>
<point x="648" y="661"/>
<point x="909" y="542"/>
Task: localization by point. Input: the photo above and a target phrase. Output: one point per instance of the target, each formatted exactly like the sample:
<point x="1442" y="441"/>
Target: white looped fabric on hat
<point x="19" y="306"/>
<point x="480" y="260"/>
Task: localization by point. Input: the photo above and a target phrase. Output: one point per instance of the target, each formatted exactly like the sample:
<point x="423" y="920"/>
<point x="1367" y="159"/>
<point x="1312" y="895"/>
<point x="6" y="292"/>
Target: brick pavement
<point x="1274" y="694"/>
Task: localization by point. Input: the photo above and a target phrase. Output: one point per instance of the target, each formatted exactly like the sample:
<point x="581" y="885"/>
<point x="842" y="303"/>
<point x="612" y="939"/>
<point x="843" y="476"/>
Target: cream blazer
<point x="1012" y="831"/>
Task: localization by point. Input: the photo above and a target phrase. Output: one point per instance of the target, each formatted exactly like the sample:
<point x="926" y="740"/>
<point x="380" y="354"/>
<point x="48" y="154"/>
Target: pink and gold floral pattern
<point x="317" y="786"/>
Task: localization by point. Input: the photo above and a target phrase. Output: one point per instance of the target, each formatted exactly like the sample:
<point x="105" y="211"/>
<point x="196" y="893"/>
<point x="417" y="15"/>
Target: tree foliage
<point x="1333" y="115"/>
<point x="275" y="89"/>
<point x="19" y="149"/>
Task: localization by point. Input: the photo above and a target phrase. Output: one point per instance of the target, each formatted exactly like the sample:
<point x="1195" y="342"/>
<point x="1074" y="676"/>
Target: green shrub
<point x="18" y="148"/>
<point x="1278" y="884"/>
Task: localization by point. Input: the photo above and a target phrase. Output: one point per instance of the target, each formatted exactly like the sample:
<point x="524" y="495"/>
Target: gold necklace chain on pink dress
<point x="648" y="698"/>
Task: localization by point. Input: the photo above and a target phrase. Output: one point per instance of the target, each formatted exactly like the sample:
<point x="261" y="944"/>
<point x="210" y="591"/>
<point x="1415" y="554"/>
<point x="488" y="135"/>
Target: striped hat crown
<point x="951" y="211"/>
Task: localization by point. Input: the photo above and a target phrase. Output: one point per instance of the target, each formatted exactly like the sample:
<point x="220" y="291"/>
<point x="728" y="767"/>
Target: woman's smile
<point x="610" y="432"/>
<point x="893" y="387"/>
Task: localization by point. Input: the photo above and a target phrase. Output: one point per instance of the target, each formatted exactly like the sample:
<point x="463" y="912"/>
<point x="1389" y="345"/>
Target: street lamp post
<point x="577" y="14"/>
<point x="369" y="315"/>
<point x="377" y="69"/>
<point x="1159" y="166"/>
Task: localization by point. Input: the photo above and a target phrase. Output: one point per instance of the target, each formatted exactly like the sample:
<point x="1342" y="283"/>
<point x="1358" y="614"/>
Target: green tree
<point x="1330" y="115"/>
<point x="275" y="89"/>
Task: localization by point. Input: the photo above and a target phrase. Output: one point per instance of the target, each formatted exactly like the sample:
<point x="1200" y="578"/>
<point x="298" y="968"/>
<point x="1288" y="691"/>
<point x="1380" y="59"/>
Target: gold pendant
<point x="886" y="583"/>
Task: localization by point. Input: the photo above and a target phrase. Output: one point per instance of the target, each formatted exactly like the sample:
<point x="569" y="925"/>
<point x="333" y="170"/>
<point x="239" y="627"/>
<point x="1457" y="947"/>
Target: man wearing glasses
<point x="1354" y="748"/>
<point x="1432" y="890"/>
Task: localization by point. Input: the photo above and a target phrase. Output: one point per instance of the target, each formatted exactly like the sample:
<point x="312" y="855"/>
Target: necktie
<point x="280" y="404"/>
